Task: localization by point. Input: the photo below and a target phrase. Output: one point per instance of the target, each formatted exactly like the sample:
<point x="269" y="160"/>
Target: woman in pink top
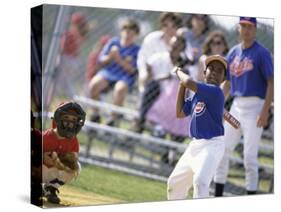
<point x="162" y="111"/>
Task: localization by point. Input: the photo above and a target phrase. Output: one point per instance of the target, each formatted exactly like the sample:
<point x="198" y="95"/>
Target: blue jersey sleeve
<point x="187" y="107"/>
<point x="266" y="64"/>
<point x="107" y="48"/>
<point x="209" y="92"/>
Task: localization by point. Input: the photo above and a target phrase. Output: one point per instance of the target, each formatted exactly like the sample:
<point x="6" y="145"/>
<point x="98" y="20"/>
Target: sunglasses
<point x="166" y="25"/>
<point x="127" y="27"/>
<point x="216" y="43"/>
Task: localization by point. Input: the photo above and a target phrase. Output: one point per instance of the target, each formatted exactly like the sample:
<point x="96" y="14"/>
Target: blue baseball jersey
<point x="128" y="53"/>
<point x="206" y="110"/>
<point x="249" y="69"/>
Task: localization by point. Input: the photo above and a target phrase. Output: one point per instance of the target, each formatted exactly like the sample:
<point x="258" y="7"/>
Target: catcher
<point x="60" y="149"/>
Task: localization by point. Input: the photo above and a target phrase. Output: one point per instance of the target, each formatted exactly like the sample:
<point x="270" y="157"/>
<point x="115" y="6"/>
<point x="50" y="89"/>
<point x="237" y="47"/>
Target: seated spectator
<point x="118" y="67"/>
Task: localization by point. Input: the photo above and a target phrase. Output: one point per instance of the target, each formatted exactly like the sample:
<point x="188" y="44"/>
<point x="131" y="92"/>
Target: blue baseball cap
<point x="248" y="20"/>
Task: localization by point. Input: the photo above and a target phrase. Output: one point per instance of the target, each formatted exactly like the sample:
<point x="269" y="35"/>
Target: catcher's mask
<point x="69" y="118"/>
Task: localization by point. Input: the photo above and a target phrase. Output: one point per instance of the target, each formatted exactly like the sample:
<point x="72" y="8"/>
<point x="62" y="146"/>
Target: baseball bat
<point x="231" y="119"/>
<point x="226" y="115"/>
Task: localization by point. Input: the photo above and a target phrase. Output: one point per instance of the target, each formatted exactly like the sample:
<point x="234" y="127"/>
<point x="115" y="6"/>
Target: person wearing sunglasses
<point x="215" y="43"/>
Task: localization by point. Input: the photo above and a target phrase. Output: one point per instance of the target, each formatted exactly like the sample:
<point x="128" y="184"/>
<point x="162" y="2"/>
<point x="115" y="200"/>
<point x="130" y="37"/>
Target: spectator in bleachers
<point x="162" y="111"/>
<point x="118" y="67"/>
<point x="215" y="43"/>
<point x="195" y="32"/>
<point x="155" y="42"/>
<point x="69" y="62"/>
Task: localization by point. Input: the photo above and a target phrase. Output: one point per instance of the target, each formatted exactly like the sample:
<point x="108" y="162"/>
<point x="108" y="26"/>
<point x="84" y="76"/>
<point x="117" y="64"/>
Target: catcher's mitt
<point x="67" y="162"/>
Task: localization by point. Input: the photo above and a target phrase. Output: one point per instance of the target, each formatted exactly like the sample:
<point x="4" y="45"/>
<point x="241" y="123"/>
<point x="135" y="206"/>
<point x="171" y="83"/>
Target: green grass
<point x="137" y="189"/>
<point x="119" y="185"/>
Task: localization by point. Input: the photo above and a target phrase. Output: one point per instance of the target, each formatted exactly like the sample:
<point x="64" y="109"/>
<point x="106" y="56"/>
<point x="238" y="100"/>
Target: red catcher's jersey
<point x="51" y="143"/>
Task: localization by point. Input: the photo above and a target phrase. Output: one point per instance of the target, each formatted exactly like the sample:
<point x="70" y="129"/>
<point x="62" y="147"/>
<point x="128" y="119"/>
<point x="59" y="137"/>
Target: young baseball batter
<point x="198" y="163"/>
<point x="60" y="149"/>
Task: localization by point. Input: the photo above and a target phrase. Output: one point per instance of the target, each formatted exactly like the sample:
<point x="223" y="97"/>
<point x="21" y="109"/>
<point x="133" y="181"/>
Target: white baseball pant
<point x="246" y="110"/>
<point x="196" y="167"/>
<point x="56" y="177"/>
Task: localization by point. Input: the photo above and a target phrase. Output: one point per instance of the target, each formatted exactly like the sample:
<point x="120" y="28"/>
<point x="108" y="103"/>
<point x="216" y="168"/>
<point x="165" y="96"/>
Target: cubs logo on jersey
<point x="239" y="66"/>
<point x="199" y="108"/>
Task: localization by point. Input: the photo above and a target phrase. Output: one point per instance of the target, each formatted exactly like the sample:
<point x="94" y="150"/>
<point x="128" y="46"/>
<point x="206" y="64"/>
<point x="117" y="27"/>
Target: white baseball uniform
<point x="248" y="71"/>
<point x="198" y="163"/>
<point x="55" y="177"/>
<point x="196" y="167"/>
<point x="246" y="110"/>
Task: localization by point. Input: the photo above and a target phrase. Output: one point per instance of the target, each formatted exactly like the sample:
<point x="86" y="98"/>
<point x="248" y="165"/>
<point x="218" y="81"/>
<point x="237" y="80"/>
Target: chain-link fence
<point x="132" y="125"/>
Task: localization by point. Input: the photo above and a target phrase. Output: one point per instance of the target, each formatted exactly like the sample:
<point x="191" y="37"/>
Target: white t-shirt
<point x="161" y="65"/>
<point x="153" y="43"/>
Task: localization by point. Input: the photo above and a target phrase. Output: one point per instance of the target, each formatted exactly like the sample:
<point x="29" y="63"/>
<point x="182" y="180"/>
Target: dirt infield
<point x="71" y="196"/>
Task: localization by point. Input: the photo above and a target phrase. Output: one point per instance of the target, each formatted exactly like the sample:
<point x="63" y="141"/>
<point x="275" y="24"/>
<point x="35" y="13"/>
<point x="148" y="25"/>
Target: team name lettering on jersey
<point x="238" y="67"/>
<point x="200" y="108"/>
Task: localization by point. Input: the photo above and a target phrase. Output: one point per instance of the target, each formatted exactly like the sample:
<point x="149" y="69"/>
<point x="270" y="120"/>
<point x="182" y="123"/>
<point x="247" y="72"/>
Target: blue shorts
<point x="113" y="77"/>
